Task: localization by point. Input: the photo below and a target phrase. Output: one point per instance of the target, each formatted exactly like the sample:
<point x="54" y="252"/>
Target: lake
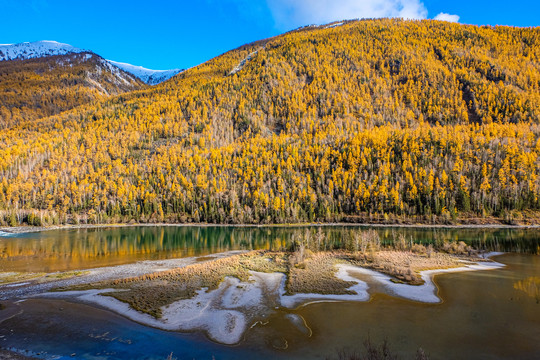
<point x="485" y="314"/>
<point x="62" y="250"/>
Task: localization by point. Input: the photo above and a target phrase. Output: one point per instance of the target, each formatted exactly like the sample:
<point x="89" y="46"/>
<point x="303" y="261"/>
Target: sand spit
<point x="360" y="289"/>
<point x="426" y="293"/>
<point x="225" y="313"/>
<point x="42" y="284"/>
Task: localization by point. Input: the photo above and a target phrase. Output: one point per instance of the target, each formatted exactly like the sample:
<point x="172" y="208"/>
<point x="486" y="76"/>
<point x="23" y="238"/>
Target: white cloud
<point x="447" y="17"/>
<point x="293" y="13"/>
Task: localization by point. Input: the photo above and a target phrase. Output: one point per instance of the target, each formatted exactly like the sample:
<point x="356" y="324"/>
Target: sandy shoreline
<point x="26" y="288"/>
<point x="17" y="230"/>
<point x="226" y="308"/>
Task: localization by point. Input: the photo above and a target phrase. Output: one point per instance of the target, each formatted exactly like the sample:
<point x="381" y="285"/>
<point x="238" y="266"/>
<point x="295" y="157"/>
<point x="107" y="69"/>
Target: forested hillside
<point x="376" y="120"/>
<point x="35" y="88"/>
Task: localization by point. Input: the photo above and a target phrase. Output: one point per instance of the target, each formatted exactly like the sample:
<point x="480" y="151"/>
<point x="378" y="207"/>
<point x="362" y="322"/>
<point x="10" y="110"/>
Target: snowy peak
<point x="151" y="77"/>
<point x="30" y="50"/>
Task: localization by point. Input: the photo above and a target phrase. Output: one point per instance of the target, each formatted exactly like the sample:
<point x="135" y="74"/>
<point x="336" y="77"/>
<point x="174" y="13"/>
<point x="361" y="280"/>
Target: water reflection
<point x="61" y="250"/>
<point x="530" y="286"/>
<point x="483" y="317"/>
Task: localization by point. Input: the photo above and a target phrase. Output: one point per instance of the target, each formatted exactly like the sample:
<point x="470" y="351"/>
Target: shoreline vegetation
<point x="25" y="228"/>
<point x="13" y="219"/>
<point x="433" y="123"/>
<point x="305" y="273"/>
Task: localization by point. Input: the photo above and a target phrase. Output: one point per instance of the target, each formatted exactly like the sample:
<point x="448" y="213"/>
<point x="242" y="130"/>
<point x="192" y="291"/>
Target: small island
<point x="224" y="296"/>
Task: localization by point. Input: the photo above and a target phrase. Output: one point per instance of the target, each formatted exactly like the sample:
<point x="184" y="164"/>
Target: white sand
<point x="426" y="292"/>
<point x="291" y="301"/>
<point x="225" y="313"/>
<point x="223" y="325"/>
<point x="43" y="284"/>
<point x="16" y="284"/>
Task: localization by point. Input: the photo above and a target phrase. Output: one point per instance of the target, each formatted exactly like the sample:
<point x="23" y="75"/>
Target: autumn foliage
<point x="395" y="119"/>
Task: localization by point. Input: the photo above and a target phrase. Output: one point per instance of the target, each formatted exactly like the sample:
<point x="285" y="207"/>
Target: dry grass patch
<point x="306" y="272"/>
<point x="66" y="275"/>
<point x="148" y="293"/>
<point x="317" y="275"/>
<point x="406" y="266"/>
<point x="14" y="277"/>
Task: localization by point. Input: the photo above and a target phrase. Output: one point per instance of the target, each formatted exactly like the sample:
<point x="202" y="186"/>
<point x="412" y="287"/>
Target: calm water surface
<point x="60" y="250"/>
<point x="485" y="314"/>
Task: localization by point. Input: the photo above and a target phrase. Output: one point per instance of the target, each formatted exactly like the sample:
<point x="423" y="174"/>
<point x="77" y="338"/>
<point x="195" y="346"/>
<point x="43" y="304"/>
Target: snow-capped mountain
<point x="57" y="84"/>
<point x="151" y="77"/>
<point x="30" y="50"/>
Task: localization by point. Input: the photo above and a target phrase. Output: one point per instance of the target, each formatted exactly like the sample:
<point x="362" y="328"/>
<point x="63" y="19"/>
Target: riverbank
<point x="224" y="294"/>
<point x="67" y="326"/>
<point x="16" y="230"/>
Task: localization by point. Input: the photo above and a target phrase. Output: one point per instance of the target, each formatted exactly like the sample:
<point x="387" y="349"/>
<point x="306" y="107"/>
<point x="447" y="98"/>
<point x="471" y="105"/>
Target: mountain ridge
<point x="30" y="50"/>
<point x="46" y="48"/>
<point x="39" y="87"/>
<point x="148" y="76"/>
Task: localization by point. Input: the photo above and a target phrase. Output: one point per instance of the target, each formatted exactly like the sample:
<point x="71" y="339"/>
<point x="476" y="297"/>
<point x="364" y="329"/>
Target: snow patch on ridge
<point x="151" y="77"/>
<point x="334" y="25"/>
<point x="242" y="63"/>
<point x="38" y="49"/>
<point x="31" y="50"/>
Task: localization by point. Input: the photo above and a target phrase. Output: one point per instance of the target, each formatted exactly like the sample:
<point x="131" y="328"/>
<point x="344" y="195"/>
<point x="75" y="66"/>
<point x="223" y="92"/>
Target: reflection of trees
<point x="149" y="242"/>
<point x="531" y="286"/>
<point x="174" y="241"/>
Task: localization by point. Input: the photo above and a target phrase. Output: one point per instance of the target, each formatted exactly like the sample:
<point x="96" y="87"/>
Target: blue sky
<point x="164" y="34"/>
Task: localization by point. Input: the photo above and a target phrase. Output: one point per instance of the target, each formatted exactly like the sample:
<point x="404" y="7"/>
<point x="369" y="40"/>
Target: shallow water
<point x="61" y="250"/>
<point x="483" y="316"/>
<point x="492" y="314"/>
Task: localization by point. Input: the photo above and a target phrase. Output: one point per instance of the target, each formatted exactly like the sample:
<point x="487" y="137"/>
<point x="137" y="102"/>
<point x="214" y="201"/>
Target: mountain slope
<point x="148" y="76"/>
<point x="39" y="49"/>
<point x="43" y="86"/>
<point x="379" y="120"/>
